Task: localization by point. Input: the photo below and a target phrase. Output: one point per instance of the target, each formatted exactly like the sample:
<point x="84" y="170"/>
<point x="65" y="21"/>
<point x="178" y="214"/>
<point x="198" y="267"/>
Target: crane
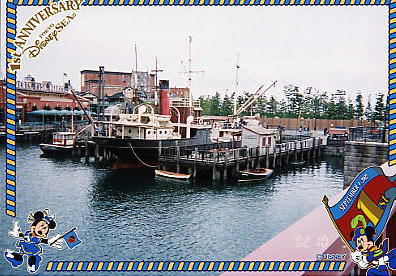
<point x="253" y="98"/>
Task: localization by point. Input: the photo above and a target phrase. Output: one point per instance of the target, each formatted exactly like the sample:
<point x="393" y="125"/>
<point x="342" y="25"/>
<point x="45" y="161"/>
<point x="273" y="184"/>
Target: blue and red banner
<point x="368" y="202"/>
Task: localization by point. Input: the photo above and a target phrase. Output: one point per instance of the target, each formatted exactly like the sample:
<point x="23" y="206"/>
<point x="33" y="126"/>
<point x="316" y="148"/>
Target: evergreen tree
<point x="369" y="111"/>
<point x="215" y="104"/>
<point x="272" y="107"/>
<point x="359" y="108"/>
<point x="226" y="106"/>
<point x="379" y="113"/>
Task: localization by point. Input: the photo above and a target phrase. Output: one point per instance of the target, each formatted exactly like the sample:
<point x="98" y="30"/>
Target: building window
<point x="130" y="131"/>
<point x="263" y="141"/>
<point x="160" y="132"/>
<point x="269" y="141"/>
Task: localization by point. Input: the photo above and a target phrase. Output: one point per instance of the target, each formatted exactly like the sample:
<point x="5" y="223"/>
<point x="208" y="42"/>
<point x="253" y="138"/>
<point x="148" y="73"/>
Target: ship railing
<point x="185" y="103"/>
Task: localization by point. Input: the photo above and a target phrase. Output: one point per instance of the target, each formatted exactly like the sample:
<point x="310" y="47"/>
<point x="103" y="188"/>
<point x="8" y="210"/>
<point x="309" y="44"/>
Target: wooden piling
<point x="274" y="160"/>
<point x="225" y="164"/>
<point x="96" y="153"/>
<point x="267" y="157"/>
<point x="301" y="151"/>
<point x="247" y="159"/>
<point x="214" y="169"/>
<point x="314" y="148"/>
<point x="237" y="152"/>
<point x="177" y="157"/>
<point x="258" y="157"/>
<point x="86" y="152"/>
<point x="195" y="162"/>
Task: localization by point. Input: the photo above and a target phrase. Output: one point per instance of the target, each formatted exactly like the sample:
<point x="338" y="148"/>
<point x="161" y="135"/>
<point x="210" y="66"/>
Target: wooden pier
<point x="220" y="161"/>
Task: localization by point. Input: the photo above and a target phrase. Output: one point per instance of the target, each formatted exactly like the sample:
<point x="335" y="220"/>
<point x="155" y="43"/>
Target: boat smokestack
<point x="164" y="97"/>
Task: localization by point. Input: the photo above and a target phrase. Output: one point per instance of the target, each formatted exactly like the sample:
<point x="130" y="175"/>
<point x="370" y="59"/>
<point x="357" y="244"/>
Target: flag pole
<point x="325" y="201"/>
<point x="61" y="237"/>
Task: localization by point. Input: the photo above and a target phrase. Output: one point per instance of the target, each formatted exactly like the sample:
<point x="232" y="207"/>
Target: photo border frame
<point x="11" y="150"/>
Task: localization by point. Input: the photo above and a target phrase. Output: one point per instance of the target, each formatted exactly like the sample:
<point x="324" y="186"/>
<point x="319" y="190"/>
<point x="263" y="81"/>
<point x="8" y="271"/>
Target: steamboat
<point x="136" y="139"/>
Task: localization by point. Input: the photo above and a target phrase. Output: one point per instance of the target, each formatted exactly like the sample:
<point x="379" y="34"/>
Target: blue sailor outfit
<point x="30" y="245"/>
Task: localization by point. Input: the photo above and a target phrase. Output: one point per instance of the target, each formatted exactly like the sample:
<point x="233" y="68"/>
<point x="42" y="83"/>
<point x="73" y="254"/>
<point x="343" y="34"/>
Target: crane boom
<point x="253" y="98"/>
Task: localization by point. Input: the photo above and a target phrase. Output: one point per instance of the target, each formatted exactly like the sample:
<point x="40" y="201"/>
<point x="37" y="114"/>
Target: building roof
<point x="109" y="72"/>
<point x="116" y="95"/>
<point x="260" y="130"/>
<point x="338" y="131"/>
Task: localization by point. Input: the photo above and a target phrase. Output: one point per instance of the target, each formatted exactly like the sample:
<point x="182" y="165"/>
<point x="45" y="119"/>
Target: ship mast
<point x="190" y="72"/>
<point x="135" y="78"/>
<point x="236" y="85"/>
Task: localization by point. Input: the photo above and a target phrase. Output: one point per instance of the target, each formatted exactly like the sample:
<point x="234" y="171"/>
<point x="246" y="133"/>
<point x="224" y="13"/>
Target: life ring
<point x="200" y="121"/>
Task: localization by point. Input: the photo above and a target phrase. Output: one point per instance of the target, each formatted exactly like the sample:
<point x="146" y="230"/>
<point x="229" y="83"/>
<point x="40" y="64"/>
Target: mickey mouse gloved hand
<point x="359" y="259"/>
<point x="16" y="230"/>
<point x="56" y="242"/>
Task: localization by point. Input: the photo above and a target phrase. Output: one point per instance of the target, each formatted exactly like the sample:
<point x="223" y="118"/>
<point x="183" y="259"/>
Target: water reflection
<point x="133" y="215"/>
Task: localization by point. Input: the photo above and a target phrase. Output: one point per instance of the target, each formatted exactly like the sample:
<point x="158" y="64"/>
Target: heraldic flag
<point x="71" y="239"/>
<point x="368" y="202"/>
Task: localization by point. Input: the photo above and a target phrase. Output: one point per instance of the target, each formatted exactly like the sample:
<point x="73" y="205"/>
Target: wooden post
<point x="314" y="148"/>
<point x="74" y="150"/>
<point x="96" y="153"/>
<point x="86" y="152"/>
<point x="78" y="151"/>
<point x="274" y="160"/>
<point x="301" y="151"/>
<point x="225" y="164"/>
<point x="247" y="159"/>
<point x="258" y="157"/>
<point x="267" y="157"/>
<point x="195" y="162"/>
<point x="214" y="172"/>
<point x="295" y="151"/>
<point x="159" y="149"/>
<point x="177" y="157"/>
<point x="287" y="153"/>
<point x="237" y="161"/>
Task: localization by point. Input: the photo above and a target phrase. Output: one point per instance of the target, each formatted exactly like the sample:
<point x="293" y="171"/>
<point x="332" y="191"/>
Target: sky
<point x="328" y="48"/>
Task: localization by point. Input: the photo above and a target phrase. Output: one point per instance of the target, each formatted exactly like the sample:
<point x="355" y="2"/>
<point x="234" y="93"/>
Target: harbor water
<point x="133" y="215"/>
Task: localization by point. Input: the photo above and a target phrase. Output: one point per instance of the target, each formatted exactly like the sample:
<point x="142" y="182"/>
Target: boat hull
<point x="135" y="153"/>
<point x="55" y="150"/>
<point x="254" y="175"/>
<point x="172" y="175"/>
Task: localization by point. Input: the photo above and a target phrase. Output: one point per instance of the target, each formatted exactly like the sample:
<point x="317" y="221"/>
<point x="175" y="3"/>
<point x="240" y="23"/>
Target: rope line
<point x="140" y="160"/>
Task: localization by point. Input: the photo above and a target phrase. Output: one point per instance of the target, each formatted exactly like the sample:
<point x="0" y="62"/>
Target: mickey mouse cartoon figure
<point x="368" y="256"/>
<point x="29" y="243"/>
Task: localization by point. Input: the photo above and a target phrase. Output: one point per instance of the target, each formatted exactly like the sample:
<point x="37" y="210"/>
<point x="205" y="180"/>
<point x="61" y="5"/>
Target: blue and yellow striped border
<point x="196" y="266"/>
<point x="392" y="83"/>
<point x="11" y="108"/>
<point x="210" y="2"/>
<point x="11" y="11"/>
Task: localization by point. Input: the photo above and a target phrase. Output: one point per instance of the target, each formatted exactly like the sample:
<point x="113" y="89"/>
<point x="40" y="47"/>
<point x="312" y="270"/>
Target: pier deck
<point x="223" y="160"/>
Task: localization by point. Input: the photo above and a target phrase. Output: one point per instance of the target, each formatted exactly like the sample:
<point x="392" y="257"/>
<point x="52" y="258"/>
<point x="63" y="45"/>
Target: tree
<point x="215" y="104"/>
<point x="272" y="107"/>
<point x="379" y="108"/>
<point x="359" y="108"/>
<point x="226" y="106"/>
<point x="369" y="111"/>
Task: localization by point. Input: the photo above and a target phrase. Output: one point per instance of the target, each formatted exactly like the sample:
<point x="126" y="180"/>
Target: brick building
<point x="32" y="96"/>
<point x="115" y="82"/>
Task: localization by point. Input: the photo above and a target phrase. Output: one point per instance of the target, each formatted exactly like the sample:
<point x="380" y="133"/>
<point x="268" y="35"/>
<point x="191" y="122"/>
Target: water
<point x="131" y="215"/>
